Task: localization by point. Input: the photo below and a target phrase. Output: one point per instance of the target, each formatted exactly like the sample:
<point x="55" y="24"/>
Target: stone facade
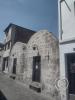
<point x="14" y="34"/>
<point x="18" y="52"/>
<point x="35" y="62"/>
<point x="46" y="46"/>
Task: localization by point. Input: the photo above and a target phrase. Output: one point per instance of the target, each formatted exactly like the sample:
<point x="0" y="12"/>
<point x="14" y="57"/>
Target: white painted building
<point x="66" y="11"/>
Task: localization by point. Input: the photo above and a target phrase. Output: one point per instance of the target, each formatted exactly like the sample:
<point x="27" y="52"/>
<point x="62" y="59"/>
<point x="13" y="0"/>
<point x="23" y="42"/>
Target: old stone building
<point x="17" y="60"/>
<point x="42" y="62"/>
<point x="14" y="34"/>
<point x="32" y="57"/>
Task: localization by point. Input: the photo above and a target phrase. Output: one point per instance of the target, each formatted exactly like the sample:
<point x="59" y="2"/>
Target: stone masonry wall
<point x="44" y="44"/>
<point x="47" y="46"/>
<point x="18" y="51"/>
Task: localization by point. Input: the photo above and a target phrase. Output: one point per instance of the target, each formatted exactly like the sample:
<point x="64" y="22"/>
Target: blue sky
<point x="31" y="14"/>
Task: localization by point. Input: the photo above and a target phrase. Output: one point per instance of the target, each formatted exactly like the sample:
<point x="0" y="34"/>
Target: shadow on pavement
<point x="2" y="96"/>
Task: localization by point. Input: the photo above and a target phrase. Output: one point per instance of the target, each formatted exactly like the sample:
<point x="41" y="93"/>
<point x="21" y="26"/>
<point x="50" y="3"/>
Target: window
<point x="34" y="48"/>
<point x="0" y="58"/>
<point x="24" y="47"/>
<point x="5" y="47"/>
<point x="8" y="45"/>
<point x="7" y="62"/>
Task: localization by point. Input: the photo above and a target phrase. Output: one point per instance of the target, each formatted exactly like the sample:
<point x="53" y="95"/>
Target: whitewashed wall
<point x="8" y="37"/>
<point x="68" y="20"/>
<point x="64" y="49"/>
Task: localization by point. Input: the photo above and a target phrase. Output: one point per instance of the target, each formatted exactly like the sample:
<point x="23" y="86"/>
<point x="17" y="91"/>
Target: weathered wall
<point x="1" y="59"/>
<point x="18" y="51"/>
<point x="47" y="47"/>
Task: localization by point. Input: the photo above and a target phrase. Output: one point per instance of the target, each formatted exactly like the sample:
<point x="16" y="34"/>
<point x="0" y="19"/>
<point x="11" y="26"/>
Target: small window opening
<point x="0" y="59"/>
<point x="34" y="48"/>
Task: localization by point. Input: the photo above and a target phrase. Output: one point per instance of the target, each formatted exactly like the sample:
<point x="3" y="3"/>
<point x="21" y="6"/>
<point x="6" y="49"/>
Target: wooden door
<point x="36" y="68"/>
<point x="14" y="65"/>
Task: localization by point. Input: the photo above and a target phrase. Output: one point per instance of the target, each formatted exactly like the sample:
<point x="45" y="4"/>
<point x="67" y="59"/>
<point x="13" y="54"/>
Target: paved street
<point x="72" y="97"/>
<point x="13" y="90"/>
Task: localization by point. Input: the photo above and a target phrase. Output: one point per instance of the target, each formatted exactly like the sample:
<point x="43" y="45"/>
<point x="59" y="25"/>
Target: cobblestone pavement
<point x="13" y="90"/>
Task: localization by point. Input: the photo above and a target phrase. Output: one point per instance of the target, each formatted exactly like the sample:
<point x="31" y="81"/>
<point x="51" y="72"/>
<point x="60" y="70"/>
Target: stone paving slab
<point x="72" y="97"/>
<point x="13" y="90"/>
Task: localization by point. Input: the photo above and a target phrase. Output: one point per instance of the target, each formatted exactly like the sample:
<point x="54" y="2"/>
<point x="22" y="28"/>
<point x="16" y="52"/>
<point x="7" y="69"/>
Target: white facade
<point x="66" y="19"/>
<point x="6" y="53"/>
<point x="66" y="11"/>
